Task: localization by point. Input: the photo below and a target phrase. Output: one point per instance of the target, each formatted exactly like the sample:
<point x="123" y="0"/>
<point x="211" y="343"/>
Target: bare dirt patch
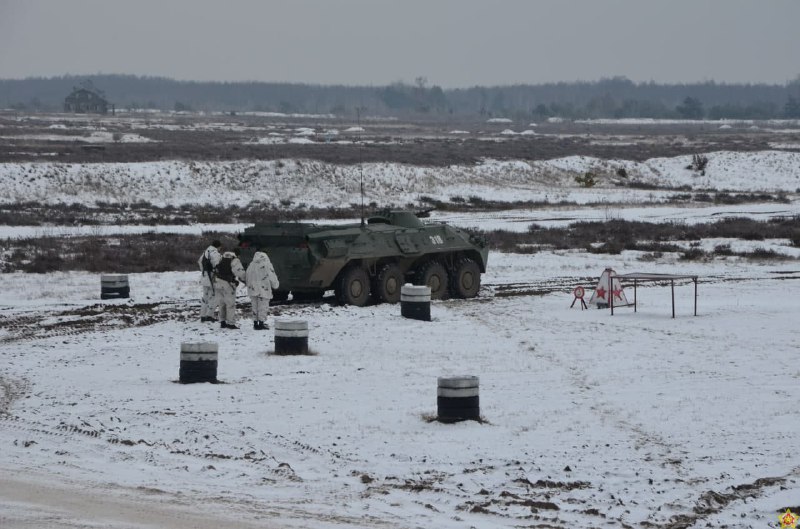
<point x="419" y="143"/>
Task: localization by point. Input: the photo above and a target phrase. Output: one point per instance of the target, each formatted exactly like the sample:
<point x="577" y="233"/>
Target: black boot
<point x="223" y="325"/>
<point x="255" y="325"/>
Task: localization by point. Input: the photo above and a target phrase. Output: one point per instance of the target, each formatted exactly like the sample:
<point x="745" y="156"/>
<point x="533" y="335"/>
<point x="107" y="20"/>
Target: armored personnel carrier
<point x="369" y="260"/>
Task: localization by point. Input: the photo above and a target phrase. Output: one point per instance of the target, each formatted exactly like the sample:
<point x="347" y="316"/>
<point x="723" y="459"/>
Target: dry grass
<point x="152" y="252"/>
<point x="144" y="213"/>
<point x="148" y="252"/>
<point x="613" y="236"/>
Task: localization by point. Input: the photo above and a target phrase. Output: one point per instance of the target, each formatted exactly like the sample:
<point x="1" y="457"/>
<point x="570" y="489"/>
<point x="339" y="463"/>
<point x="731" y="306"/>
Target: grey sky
<point x="453" y="43"/>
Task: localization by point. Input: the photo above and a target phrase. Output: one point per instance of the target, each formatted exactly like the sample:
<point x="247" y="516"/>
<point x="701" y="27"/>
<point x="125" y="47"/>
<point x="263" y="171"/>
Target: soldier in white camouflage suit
<point x="207" y="262"/>
<point x="228" y="273"/>
<point x="261" y="280"/>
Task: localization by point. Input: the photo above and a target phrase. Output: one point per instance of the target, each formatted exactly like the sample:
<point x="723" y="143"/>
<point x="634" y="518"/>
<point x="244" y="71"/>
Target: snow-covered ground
<point x="590" y="420"/>
<point x="94" y="137"/>
<point x="316" y="183"/>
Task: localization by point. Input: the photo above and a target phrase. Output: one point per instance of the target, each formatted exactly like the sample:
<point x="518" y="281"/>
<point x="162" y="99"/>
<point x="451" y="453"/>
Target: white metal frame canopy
<point x="636" y="277"/>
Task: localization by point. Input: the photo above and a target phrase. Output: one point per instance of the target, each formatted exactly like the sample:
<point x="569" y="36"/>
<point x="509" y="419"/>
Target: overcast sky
<point x="452" y="43"/>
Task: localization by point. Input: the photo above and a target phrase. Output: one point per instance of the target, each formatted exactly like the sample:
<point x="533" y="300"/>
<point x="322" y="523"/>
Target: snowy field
<point x="309" y="182"/>
<point x="589" y="419"/>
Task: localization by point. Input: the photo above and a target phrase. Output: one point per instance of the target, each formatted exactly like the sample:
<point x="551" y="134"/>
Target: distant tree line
<point x="616" y="97"/>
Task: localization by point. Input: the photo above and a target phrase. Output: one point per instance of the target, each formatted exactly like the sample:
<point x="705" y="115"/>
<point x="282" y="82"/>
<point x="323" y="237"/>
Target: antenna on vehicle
<point x="360" y="162"/>
<point x="361" y="169"/>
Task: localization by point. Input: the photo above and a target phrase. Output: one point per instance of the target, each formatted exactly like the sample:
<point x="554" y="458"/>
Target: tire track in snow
<point x="92" y="318"/>
<point x="10" y="390"/>
<point x="577" y="377"/>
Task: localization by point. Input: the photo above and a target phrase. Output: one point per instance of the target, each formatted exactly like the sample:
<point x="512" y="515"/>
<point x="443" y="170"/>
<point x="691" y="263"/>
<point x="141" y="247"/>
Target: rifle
<point x="207" y="268"/>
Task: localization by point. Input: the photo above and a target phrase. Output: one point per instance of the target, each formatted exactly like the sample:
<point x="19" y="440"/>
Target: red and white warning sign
<point x="607" y="287"/>
<point x="578" y="292"/>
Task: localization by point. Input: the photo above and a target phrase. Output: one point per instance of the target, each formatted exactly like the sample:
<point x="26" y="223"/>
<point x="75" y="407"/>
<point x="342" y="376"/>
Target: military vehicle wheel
<point x="280" y="295"/>
<point x="434" y="275"/>
<point x="353" y="288"/>
<point x="386" y="285"/>
<point x="466" y="280"/>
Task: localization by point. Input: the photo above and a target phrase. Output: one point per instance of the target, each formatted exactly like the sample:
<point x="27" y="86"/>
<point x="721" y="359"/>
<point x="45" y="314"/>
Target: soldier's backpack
<point x="224" y="270"/>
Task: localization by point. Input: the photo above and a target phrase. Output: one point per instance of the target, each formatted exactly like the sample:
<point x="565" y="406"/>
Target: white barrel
<point x="457" y="398"/>
<point x="415" y="302"/>
<point x="114" y="286"/>
<point x="415" y="293"/>
<point x="198" y="362"/>
<point x="291" y="337"/>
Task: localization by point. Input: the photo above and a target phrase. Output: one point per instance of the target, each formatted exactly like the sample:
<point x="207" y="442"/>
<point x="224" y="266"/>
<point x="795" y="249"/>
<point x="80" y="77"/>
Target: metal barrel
<point x="415" y="302"/>
<point x="457" y="399"/>
<point x="114" y="286"/>
<point x="198" y="362"/>
<point x="291" y="337"/>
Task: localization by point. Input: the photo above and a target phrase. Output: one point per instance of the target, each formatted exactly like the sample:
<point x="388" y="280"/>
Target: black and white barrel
<point x="457" y="399"/>
<point x="114" y="286"/>
<point x="291" y="337"/>
<point x="198" y="362"/>
<point x="415" y="302"/>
